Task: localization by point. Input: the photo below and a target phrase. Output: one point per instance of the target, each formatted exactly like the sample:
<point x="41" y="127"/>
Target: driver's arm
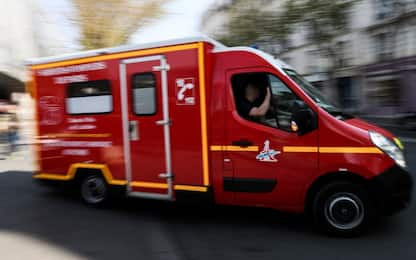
<point x="263" y="108"/>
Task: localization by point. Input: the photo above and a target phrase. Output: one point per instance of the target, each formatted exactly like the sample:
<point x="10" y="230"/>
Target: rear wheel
<point x="342" y="208"/>
<point x="94" y="190"/>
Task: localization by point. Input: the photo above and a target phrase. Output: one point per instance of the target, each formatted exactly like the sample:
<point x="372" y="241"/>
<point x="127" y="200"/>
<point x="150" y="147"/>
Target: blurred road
<point x="36" y="223"/>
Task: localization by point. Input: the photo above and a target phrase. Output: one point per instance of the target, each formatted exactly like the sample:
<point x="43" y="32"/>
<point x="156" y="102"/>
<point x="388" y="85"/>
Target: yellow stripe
<point x="50" y="176"/>
<point x="398" y="143"/>
<point x="201" y="64"/>
<point x="191" y="188"/>
<point x="118" y="182"/>
<point x="73" y="168"/>
<point x="116" y="56"/>
<point x="111" y="181"/>
<point x="232" y="148"/>
<point x="300" y="149"/>
<point x="374" y="150"/>
<point x="154" y="185"/>
<point x="337" y="149"/>
<point x="68" y="135"/>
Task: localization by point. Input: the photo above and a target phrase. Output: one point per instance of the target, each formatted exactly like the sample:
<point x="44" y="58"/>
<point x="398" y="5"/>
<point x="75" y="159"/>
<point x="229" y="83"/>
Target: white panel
<point x="89" y="105"/>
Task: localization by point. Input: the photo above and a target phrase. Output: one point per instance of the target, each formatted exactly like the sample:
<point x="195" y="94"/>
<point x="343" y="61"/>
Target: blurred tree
<point x="246" y="25"/>
<point x="250" y="23"/>
<point x="107" y="23"/>
<point x="323" y="21"/>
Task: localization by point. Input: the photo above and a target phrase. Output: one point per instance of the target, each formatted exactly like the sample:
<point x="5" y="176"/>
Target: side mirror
<point x="304" y="119"/>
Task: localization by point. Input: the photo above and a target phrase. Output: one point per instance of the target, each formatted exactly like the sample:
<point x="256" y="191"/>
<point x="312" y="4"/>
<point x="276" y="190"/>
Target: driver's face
<point x="252" y="93"/>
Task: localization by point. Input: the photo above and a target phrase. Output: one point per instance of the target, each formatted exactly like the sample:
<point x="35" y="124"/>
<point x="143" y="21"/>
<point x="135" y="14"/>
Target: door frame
<point x="163" y="68"/>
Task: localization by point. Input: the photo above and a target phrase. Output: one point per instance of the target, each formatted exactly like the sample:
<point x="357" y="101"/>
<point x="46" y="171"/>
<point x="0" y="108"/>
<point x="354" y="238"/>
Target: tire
<point x="94" y="190"/>
<point x="342" y="208"/>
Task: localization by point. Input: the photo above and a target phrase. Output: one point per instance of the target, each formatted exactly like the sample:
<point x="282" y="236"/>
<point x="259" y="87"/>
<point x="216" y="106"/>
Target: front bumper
<point x="392" y="190"/>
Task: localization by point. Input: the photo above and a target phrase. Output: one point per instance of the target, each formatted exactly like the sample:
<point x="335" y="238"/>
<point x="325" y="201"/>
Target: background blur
<point x="360" y="53"/>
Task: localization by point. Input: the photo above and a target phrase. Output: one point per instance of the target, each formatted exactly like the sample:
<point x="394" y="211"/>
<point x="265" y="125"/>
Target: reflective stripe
<point x="73" y="169"/>
<point x="373" y="150"/>
<point x="300" y="149"/>
<point x="335" y="149"/>
<point x="232" y="148"/>
<point x="109" y="178"/>
<point x="153" y="185"/>
<point x="191" y="188"/>
<point x="116" y="56"/>
<point x="203" y="112"/>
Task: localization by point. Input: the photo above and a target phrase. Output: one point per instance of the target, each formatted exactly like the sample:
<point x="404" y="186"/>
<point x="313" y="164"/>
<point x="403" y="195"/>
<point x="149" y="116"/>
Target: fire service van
<point x="194" y="118"/>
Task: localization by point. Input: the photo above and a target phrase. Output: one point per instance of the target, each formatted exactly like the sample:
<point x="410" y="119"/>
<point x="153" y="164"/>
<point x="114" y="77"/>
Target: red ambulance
<point x="170" y="121"/>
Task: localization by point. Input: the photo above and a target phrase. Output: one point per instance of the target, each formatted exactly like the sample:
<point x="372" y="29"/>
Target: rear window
<point x="144" y="94"/>
<point x="90" y="97"/>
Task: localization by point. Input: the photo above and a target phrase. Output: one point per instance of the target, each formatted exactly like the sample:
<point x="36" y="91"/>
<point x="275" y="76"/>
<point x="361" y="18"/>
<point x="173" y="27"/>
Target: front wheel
<point x="94" y="190"/>
<point x="342" y="208"/>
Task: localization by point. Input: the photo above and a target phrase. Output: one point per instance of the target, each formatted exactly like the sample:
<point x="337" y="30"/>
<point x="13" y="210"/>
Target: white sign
<point x="185" y="91"/>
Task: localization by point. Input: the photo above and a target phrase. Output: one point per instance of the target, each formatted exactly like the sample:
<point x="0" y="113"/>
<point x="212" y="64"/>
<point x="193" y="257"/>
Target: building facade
<point x="376" y="57"/>
<point x="26" y="32"/>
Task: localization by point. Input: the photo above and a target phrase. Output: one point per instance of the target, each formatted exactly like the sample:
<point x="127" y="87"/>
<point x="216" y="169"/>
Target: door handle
<point x="134" y="130"/>
<point x="242" y="143"/>
<point x="163" y="122"/>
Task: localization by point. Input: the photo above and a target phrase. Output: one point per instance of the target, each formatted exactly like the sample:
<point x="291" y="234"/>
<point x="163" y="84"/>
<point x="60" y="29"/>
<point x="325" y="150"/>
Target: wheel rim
<point x="94" y="189"/>
<point x="344" y="211"/>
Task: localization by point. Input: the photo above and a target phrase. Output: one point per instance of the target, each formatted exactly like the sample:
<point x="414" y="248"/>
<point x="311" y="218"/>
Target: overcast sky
<point x="182" y="18"/>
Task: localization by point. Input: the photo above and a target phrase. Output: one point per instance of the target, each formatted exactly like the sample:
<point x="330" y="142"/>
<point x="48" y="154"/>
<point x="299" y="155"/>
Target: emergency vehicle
<point x="162" y="121"/>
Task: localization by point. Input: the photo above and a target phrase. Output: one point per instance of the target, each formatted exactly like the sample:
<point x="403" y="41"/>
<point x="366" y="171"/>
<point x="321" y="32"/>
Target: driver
<point x="248" y="107"/>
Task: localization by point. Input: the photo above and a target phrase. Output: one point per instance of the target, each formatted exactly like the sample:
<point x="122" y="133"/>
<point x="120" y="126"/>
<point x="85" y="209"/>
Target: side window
<point x="91" y="97"/>
<point x="144" y="94"/>
<point x="250" y="92"/>
<point x="282" y="101"/>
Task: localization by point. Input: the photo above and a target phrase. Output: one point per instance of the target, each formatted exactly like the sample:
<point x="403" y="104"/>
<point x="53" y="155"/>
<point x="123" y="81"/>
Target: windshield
<point x="312" y="92"/>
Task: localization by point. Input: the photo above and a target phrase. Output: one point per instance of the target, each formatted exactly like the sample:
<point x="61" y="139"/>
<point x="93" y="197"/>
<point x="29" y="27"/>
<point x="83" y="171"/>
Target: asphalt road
<point x="36" y="223"/>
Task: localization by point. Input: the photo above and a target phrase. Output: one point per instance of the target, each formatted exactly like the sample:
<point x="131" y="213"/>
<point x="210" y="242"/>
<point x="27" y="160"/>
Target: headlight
<point x="388" y="147"/>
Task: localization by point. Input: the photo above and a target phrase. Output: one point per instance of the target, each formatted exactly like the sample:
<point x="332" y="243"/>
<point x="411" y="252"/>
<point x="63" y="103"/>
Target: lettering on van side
<point x="50" y="111"/>
<point x="84" y="123"/>
<point x="91" y="144"/>
<point x="76" y="152"/>
<point x="70" y="79"/>
<point x="73" y="69"/>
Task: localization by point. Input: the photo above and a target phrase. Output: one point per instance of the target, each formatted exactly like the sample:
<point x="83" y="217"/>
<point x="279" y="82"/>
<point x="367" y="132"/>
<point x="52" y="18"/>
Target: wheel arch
<point x="79" y="171"/>
<point x="328" y="178"/>
<point x="82" y="172"/>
